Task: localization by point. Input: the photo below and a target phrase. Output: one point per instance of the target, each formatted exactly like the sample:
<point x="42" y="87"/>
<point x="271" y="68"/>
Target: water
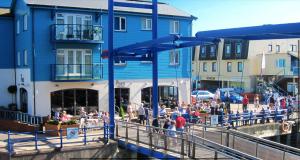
<point x="289" y="139"/>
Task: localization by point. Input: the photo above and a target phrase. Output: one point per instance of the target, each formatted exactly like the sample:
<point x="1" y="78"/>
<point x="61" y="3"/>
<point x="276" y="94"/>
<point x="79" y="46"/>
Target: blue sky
<point x="219" y="14"/>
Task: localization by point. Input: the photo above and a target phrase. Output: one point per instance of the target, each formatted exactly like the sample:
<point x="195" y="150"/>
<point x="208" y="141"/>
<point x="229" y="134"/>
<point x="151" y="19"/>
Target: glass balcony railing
<point x="77" y="32"/>
<point x="77" y="72"/>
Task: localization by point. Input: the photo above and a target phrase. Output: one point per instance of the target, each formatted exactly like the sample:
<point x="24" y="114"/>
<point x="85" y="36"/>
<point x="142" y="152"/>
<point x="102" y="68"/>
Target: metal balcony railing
<point x="73" y="72"/>
<point x="76" y="32"/>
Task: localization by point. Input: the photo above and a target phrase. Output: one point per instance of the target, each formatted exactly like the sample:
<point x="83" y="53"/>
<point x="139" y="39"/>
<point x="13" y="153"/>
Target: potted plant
<point x="12" y="90"/>
<point x="53" y="126"/>
<point x="203" y="113"/>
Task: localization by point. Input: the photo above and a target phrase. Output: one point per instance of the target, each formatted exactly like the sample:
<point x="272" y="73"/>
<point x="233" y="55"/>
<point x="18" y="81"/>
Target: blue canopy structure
<point x="274" y="31"/>
<point x="136" y="52"/>
<point x="5" y="3"/>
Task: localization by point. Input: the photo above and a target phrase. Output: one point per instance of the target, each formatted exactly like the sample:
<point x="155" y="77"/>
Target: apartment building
<point x="52" y="49"/>
<point x="239" y="63"/>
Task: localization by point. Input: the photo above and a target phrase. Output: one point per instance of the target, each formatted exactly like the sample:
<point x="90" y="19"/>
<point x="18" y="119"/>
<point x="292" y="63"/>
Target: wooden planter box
<point x="202" y="115"/>
<point x="50" y="129"/>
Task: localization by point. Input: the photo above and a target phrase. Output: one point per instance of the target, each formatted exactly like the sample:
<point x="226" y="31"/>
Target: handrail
<point x="21" y="117"/>
<point x="213" y="146"/>
<point x="279" y="146"/>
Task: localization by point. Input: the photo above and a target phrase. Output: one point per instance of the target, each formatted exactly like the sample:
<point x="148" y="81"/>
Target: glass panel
<point x="92" y="96"/>
<point x="70" y="61"/>
<point x="88" y="64"/>
<point x="123" y="23"/>
<point x="56" y="102"/>
<point x="144" y="25"/>
<point x="80" y="99"/>
<point x="69" y="101"/>
<point x="78" y="62"/>
<point x="70" y="27"/>
<point x="78" y="27"/>
<point x="60" y="60"/>
<point x="117" y="23"/>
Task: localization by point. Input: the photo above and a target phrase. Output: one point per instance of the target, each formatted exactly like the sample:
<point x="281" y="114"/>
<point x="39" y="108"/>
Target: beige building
<point x="238" y="63"/>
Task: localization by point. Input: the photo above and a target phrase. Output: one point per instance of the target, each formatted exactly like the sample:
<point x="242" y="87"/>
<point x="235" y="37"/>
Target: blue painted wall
<point x="45" y="50"/>
<point x="6" y="43"/>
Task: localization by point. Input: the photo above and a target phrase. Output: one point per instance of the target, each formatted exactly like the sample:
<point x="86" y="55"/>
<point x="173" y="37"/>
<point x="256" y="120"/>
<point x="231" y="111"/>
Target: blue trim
<point x="133" y="5"/>
<point x="155" y="59"/>
<point x="145" y="151"/>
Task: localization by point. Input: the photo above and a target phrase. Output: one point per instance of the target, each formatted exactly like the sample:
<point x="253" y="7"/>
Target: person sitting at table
<point x="64" y="117"/>
<point x="162" y="111"/>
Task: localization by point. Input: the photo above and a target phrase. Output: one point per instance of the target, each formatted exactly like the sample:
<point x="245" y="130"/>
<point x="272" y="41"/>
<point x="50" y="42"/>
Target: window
<point x="174" y="27"/>
<point x="25" y="58"/>
<point x="277" y="48"/>
<point x="229" y="66"/>
<point x="146" y="24"/>
<point x="214" y="67"/>
<point x="270" y="47"/>
<point x="120" y="24"/>
<point x="240" y="66"/>
<point x="291" y="87"/>
<point x="204" y="67"/>
<point x="280" y="63"/>
<point x="212" y="51"/>
<point x="18" y="58"/>
<point x="293" y="48"/>
<point x="146" y="56"/>
<point x="25" y="18"/>
<point x="227" y="50"/>
<point x="174" y="57"/>
<point x="238" y="49"/>
<point x="18" y="26"/>
<point x="203" y="52"/>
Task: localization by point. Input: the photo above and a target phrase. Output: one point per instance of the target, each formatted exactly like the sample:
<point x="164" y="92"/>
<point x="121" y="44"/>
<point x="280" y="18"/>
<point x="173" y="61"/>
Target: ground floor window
<point x="71" y="100"/>
<point x="122" y="97"/>
<point x="167" y="95"/>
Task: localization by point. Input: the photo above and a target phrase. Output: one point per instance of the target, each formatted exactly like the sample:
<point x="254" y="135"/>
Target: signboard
<point x="214" y="120"/>
<point x="72" y="133"/>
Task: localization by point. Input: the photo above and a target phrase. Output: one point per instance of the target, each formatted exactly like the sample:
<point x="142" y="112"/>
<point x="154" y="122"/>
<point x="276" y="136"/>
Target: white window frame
<point x="204" y="67"/>
<point x="25" y="58"/>
<point x="25" y="22"/>
<point x="293" y="48"/>
<point x="173" y="25"/>
<point x="120" y="24"/>
<point x="242" y="64"/>
<point x="270" y="48"/>
<point x="172" y="57"/>
<point x="227" y="68"/>
<point x="18" y="26"/>
<point x="227" y="50"/>
<point x="236" y="48"/>
<point x="148" y="24"/>
<point x="65" y="51"/>
<point x="212" y="67"/>
<point x="280" y="63"/>
<point x="277" y="48"/>
<point x="18" y="58"/>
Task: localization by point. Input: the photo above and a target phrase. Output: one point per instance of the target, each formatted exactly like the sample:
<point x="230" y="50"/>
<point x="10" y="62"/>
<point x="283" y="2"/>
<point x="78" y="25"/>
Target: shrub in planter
<point x="12" y="90"/>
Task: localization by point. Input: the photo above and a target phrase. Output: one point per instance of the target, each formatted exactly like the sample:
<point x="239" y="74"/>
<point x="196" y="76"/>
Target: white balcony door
<point x="73" y="26"/>
<point x="74" y="62"/>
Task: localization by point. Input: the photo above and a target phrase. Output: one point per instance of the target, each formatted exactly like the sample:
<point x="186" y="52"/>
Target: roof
<point x="5" y="3"/>
<point x="163" y="8"/>
<point x="270" y="31"/>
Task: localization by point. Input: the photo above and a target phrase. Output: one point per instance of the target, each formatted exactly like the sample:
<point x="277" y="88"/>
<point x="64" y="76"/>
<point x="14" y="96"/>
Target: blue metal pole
<point x="84" y="135"/>
<point x="111" y="67"/>
<point x="154" y="62"/>
<point x="61" y="138"/>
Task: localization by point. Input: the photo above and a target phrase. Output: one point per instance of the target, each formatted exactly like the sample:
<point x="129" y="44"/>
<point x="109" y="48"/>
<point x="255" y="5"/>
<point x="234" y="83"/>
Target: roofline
<point x="101" y="10"/>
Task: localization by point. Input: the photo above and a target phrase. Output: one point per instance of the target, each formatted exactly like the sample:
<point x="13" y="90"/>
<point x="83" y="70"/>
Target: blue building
<point x="52" y="53"/>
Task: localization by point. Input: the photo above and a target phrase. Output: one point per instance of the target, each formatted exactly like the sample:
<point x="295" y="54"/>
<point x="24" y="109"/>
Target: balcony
<point x="77" y="72"/>
<point x="77" y="33"/>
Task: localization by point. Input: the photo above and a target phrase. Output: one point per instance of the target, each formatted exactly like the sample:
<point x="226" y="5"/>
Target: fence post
<point x="137" y="135"/>
<point x="9" y="144"/>
<point x="194" y="150"/>
<point x="221" y="137"/>
<point x="117" y="129"/>
<point x="256" y="148"/>
<point x="35" y="139"/>
<point x="182" y="146"/>
<point x="227" y="139"/>
<point x="61" y="139"/>
<point x="150" y="139"/>
<point x="216" y="155"/>
<point x="165" y="142"/>
<point x="84" y="135"/>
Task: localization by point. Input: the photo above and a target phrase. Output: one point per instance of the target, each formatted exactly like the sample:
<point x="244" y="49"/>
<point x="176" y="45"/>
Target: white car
<point x="202" y="95"/>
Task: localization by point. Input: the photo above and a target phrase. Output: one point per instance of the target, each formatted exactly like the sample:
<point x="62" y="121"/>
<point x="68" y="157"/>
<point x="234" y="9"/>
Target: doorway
<point x="122" y="97"/>
<point x="23" y="100"/>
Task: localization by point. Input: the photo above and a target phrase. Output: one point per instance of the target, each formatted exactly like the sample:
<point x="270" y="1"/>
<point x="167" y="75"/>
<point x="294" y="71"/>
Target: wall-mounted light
<point x="56" y="85"/>
<point x="92" y="84"/>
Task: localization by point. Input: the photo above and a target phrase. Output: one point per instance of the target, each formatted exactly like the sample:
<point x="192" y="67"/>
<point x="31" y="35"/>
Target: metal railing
<point x="34" y="141"/>
<point x="258" y="147"/>
<point x="184" y="144"/>
<point x="61" y="72"/>
<point x="77" y="32"/>
<point x="21" y="117"/>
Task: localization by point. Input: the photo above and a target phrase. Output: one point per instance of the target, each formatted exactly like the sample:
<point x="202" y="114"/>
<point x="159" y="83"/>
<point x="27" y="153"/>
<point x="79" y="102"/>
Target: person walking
<point x="142" y="113"/>
<point x="256" y="101"/>
<point x="129" y="112"/>
<point x="180" y="123"/>
<point x="245" y="103"/>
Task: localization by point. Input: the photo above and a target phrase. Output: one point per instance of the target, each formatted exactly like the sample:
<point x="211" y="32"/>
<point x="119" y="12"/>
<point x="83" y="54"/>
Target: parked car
<point x="234" y="97"/>
<point x="202" y="95"/>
